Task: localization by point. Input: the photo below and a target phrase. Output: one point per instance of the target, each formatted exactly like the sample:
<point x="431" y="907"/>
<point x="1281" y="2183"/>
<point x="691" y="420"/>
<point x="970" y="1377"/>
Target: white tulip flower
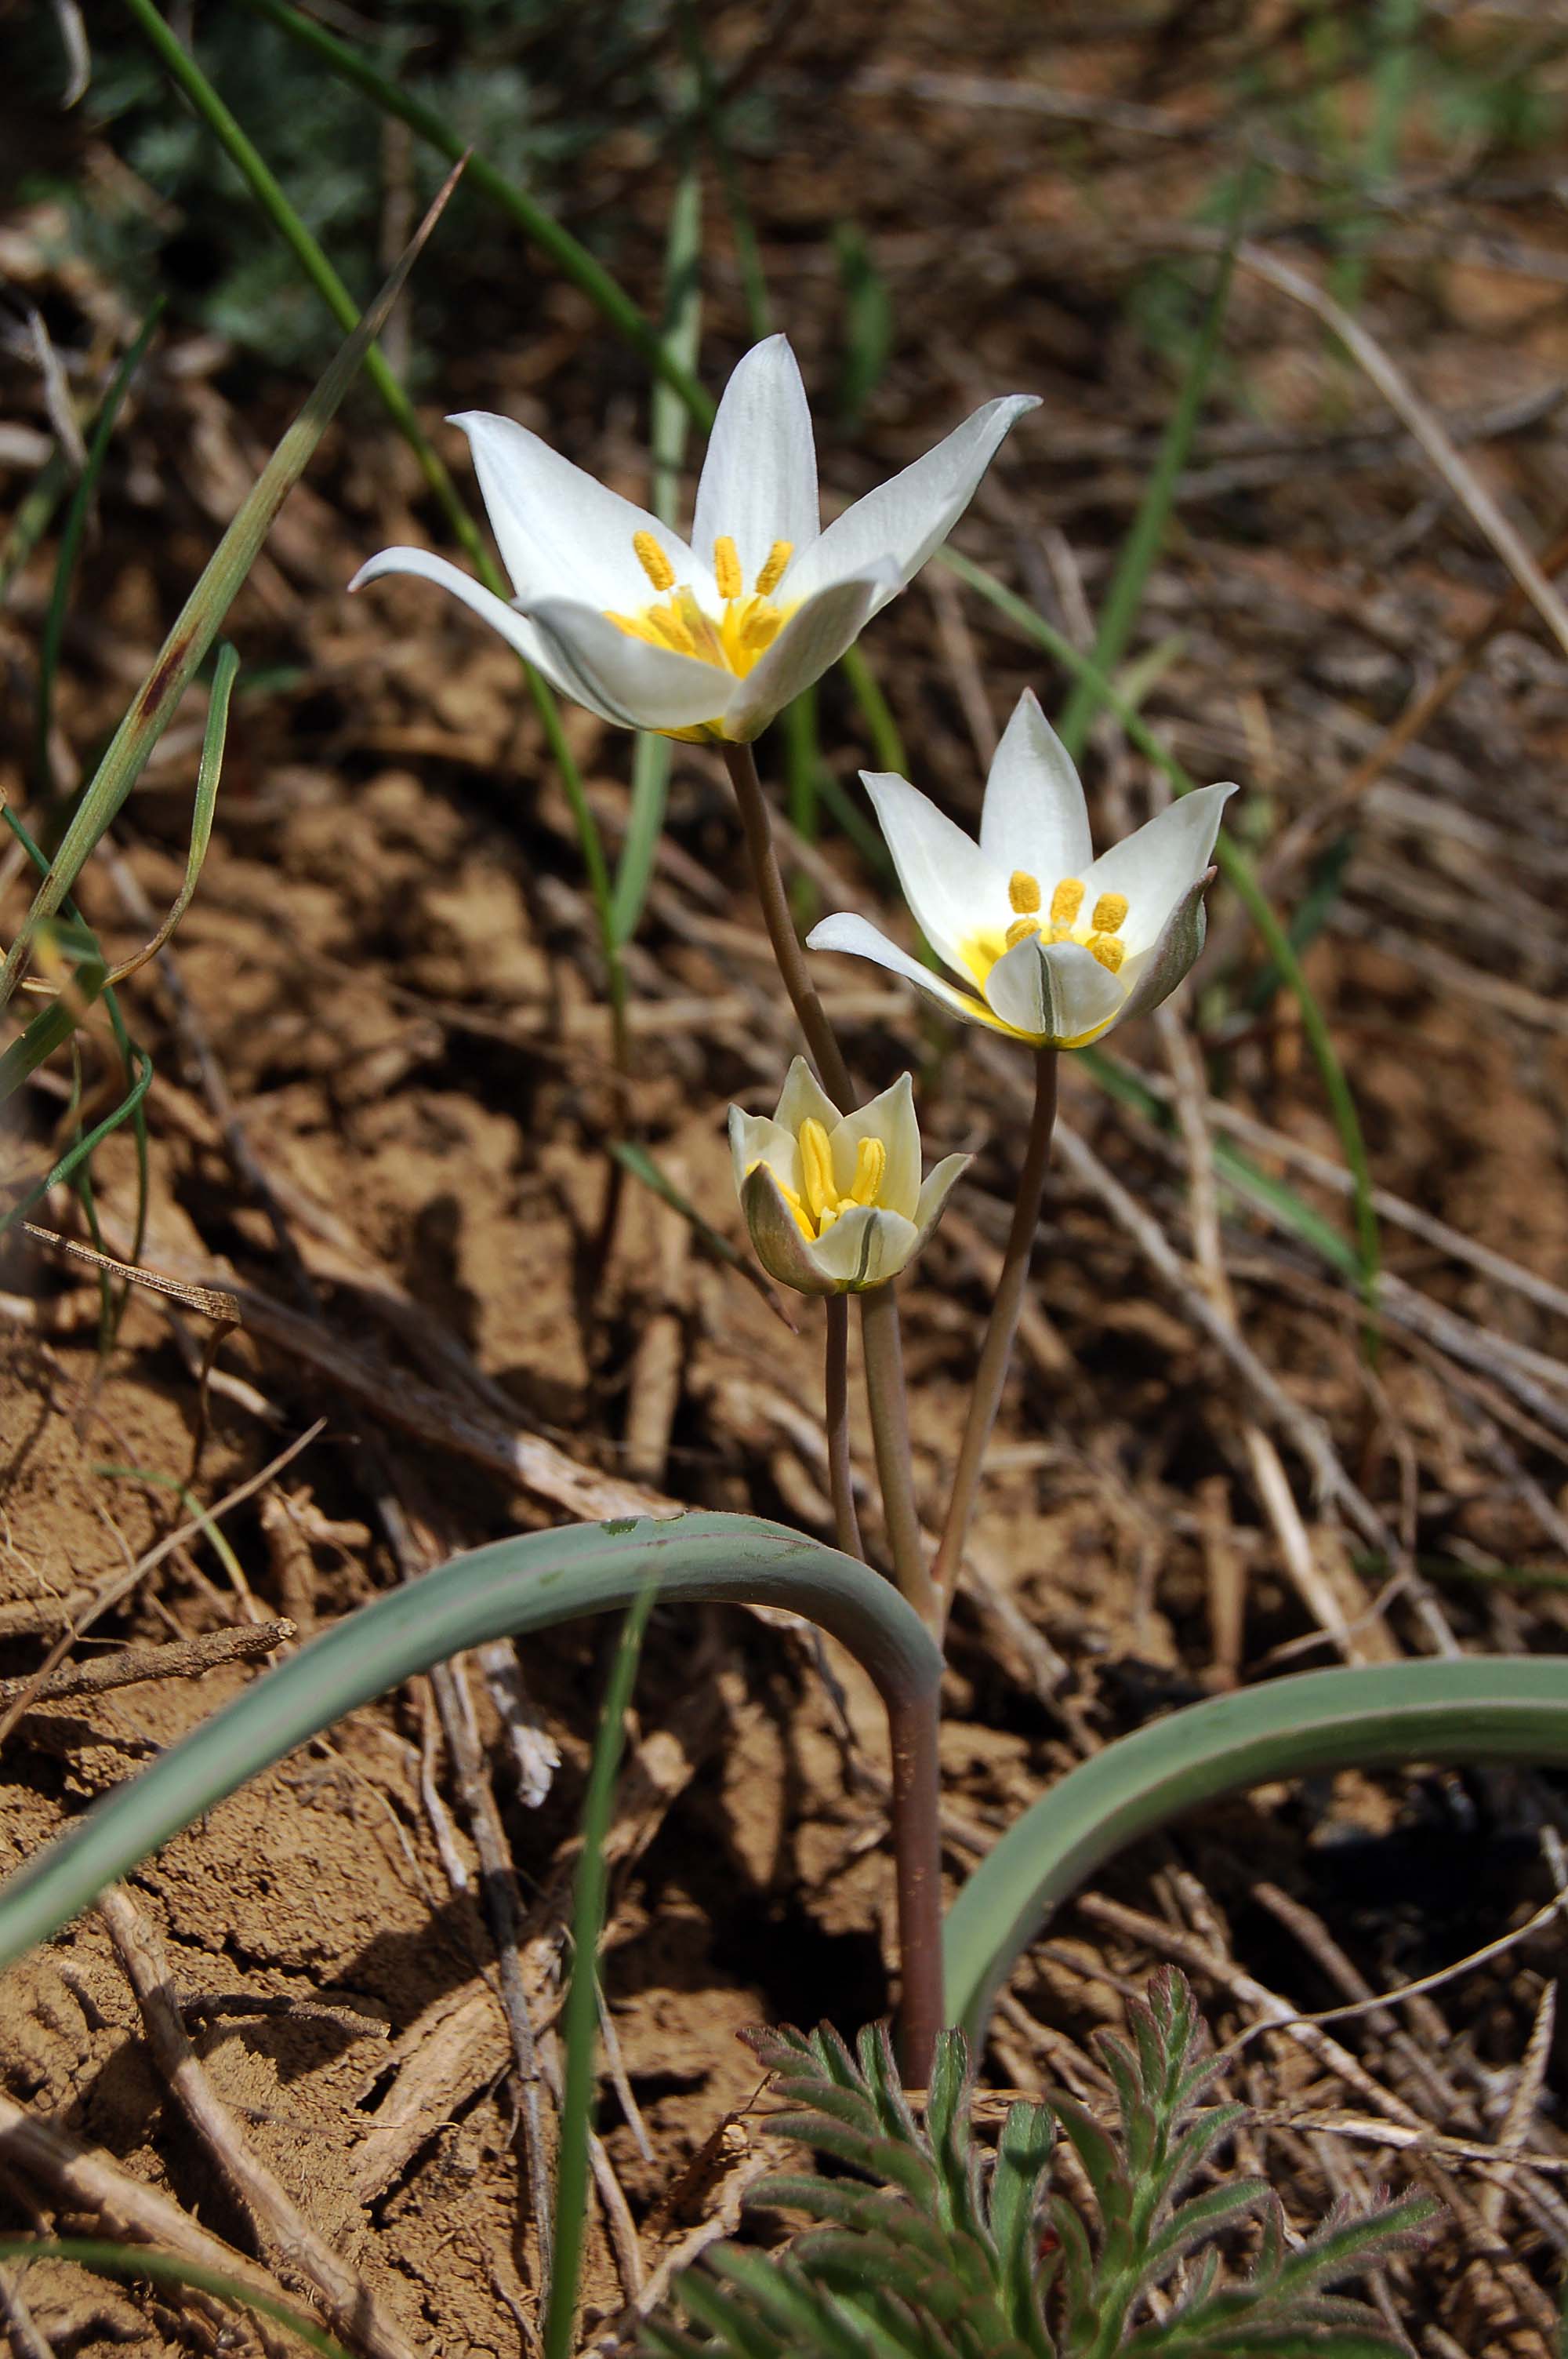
<point x="835" y="1202"/>
<point x="708" y="641"/>
<point x="1056" y="945"/>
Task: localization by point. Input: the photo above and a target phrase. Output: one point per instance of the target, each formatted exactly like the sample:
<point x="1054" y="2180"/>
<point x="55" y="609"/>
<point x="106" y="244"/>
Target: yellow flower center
<point x="820" y="1202"/>
<point x="732" y="640"/>
<point x="1100" y="935"/>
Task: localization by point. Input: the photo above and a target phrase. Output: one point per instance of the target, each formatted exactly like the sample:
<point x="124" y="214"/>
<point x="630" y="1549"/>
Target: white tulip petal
<point x="1085" y="997"/>
<point x="803" y="1098"/>
<point x="753" y="1140"/>
<point x="561" y="533"/>
<point x="906" y="519"/>
<point x="777" y="1239"/>
<point x="865" y="1246"/>
<point x="1158" y="864"/>
<point x="891" y="1118"/>
<point x="938" y="1186"/>
<point x="815" y="636"/>
<point x="952" y="888"/>
<point x="859" y="939"/>
<point x="425" y="566"/>
<point x="759" y="479"/>
<point x="1160" y="969"/>
<point x="636" y="685"/>
<point x="1018" y="991"/>
<point x="1033" y="817"/>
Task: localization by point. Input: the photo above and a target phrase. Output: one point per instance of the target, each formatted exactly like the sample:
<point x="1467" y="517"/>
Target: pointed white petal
<point x="513" y="626"/>
<point x="859" y="939"/>
<point x="755" y="1138"/>
<point x="784" y="1251"/>
<point x="952" y="888"/>
<point x="865" y="1246"/>
<point x="562" y="534"/>
<point x="1155" y="975"/>
<point x="758" y="479"/>
<point x="1158" y="864"/>
<point x="639" y="686"/>
<point x="911" y="516"/>
<point x="939" y="1185"/>
<point x="1018" y="991"/>
<point x="802" y="1095"/>
<point x="1033" y="817"/>
<point x="815" y="636"/>
<point x="891" y="1118"/>
<point x="1085" y="997"/>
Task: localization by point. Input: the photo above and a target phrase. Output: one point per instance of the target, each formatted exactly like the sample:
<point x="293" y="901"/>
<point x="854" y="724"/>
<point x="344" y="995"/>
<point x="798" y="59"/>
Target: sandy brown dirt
<point x="390" y="975"/>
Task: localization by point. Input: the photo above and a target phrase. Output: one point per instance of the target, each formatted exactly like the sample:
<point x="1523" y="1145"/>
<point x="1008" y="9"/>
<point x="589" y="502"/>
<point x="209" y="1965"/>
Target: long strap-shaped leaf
<point x="1514" y="1708"/>
<point x="509" y="1587"/>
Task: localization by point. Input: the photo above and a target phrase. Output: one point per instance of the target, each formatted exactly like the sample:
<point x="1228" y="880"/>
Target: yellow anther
<point x="1110" y="948"/>
<point x="1023" y="893"/>
<point x="817" y="1167"/>
<point x="772" y="574"/>
<point x="653" y="561"/>
<point x="727" y="567"/>
<point x="1066" y="901"/>
<point x="1109" y="913"/>
<point x="1020" y="930"/>
<point x="871" y="1167"/>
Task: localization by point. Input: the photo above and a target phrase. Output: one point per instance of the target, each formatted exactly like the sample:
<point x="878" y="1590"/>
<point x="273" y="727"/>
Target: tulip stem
<point x="997" y="1350"/>
<point x="915" y="1730"/>
<point x="890" y="1432"/>
<point x="835" y="1414"/>
<point x="826" y="1053"/>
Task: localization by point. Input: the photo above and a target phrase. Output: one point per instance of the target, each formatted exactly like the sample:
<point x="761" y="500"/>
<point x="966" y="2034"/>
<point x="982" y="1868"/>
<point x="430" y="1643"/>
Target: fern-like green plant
<point x="937" y="2248"/>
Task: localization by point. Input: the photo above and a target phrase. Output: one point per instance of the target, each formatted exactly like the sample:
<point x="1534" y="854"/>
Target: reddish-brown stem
<point x="836" y="1413"/>
<point x="826" y="1053"/>
<point x="997" y="1350"/>
<point x="914" y="1724"/>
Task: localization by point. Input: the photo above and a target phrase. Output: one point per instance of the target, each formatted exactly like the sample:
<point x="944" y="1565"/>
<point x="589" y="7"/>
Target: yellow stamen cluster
<point x="1063" y="921"/>
<point x="820" y="1203"/>
<point x="748" y="626"/>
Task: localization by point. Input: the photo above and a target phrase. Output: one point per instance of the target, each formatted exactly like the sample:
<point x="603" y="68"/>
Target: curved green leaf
<point x="507" y="1588"/>
<point x="1512" y="1708"/>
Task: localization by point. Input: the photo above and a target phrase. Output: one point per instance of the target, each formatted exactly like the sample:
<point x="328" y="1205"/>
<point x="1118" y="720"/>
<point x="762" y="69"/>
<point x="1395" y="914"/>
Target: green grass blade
<point x="210" y="771"/>
<point x="670" y="421"/>
<point x="579" y="2017"/>
<point x="134" y="1061"/>
<point x="1236" y="870"/>
<point x="197" y="626"/>
<point x="33" y="517"/>
<point x="1144" y="542"/>
<point x="165" y="2269"/>
<point x="81" y="1149"/>
<point x="571" y="258"/>
<point x="1508" y="1708"/>
<point x="505" y="1590"/>
<point x="71" y="538"/>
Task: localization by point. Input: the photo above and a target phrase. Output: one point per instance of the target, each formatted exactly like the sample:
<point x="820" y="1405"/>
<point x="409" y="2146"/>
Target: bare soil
<point x="384" y="1101"/>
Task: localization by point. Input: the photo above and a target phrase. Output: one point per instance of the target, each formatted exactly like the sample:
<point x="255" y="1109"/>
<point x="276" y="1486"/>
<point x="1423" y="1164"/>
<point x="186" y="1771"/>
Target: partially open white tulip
<point x="708" y="641"/>
<point x="1054" y="945"/>
<point x="835" y="1202"/>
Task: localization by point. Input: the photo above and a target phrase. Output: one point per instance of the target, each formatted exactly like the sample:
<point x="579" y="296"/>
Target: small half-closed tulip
<point x="835" y="1202"/>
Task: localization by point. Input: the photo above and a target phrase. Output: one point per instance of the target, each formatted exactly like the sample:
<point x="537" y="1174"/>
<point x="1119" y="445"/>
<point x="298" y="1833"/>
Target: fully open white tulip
<point x="1054" y="945"/>
<point x="708" y="641"/>
<point x="835" y="1202"/>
